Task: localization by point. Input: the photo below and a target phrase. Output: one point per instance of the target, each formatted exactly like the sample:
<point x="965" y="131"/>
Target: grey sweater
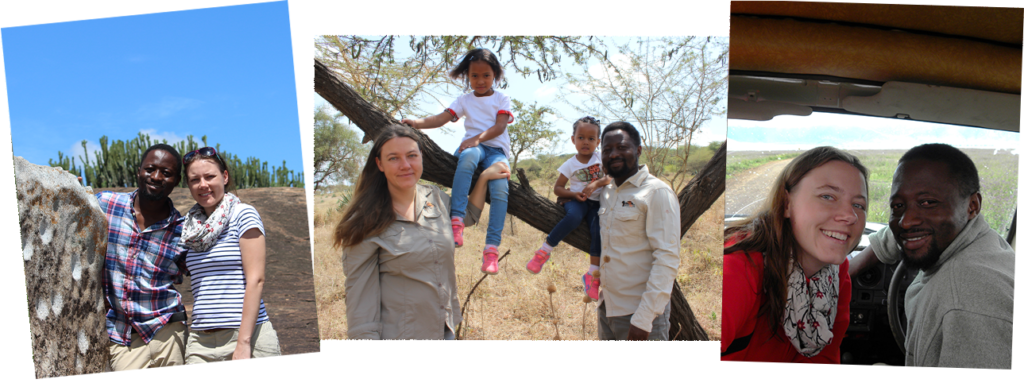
<point x="960" y="311"/>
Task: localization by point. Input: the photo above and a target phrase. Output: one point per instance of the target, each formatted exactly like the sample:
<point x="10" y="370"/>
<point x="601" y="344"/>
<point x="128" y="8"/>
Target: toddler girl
<point x="487" y="113"/>
<point x="583" y="172"/>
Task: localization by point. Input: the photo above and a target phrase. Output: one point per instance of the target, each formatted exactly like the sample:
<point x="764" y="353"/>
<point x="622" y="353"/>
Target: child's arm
<point x="500" y="124"/>
<point x="561" y="191"/>
<point x="593" y="185"/>
<point x="431" y="122"/>
<point x="496" y="171"/>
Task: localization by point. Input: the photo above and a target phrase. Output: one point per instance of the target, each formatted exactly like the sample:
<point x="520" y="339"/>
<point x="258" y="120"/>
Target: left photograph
<point x="161" y="200"/>
<point x="519" y="188"/>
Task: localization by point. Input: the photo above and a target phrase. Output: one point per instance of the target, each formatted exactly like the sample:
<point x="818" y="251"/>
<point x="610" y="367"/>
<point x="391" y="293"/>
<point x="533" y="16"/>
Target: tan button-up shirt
<point x="401" y="283"/>
<point x="640" y="241"/>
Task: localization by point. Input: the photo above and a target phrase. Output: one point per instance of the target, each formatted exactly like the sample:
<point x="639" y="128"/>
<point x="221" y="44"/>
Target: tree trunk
<point x="523" y="201"/>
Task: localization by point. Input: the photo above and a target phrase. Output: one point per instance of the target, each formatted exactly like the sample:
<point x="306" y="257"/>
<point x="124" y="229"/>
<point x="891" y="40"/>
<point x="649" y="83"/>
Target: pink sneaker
<point x="457" y="233"/>
<point x="591" y="285"/>
<point x="539" y="258"/>
<point x="490" y="261"/>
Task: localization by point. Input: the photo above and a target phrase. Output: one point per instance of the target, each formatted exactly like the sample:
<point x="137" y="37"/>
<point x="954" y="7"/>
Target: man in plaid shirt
<point x="145" y="317"/>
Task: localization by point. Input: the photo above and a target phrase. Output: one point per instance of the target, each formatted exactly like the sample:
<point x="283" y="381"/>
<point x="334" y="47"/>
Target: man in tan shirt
<point x="640" y="227"/>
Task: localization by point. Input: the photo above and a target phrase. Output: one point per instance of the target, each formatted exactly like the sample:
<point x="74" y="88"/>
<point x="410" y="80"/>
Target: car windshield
<point x="758" y="151"/>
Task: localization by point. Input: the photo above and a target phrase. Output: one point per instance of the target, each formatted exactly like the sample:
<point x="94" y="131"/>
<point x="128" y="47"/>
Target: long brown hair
<point x="770" y="232"/>
<point x="369" y="211"/>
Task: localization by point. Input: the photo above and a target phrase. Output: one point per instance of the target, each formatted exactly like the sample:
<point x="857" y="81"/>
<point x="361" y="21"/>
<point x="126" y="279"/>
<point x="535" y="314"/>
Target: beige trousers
<point x="167" y="348"/>
<point x="218" y="345"/>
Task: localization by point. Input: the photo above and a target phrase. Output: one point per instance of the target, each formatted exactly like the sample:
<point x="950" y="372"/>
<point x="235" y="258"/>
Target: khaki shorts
<point x="218" y="345"/>
<point x="167" y="348"/>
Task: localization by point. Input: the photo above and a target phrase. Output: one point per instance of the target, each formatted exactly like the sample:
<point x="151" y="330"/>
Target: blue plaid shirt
<point x="141" y="267"/>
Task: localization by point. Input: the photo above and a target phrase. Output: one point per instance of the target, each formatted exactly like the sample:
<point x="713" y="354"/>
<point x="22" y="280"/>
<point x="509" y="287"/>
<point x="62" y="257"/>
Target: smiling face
<point x="827" y="211"/>
<point x="586" y="138"/>
<point x="619" y="155"/>
<point x="927" y="211"/>
<point x="400" y="161"/>
<point x="481" y="78"/>
<point x="158" y="175"/>
<point x="206" y="182"/>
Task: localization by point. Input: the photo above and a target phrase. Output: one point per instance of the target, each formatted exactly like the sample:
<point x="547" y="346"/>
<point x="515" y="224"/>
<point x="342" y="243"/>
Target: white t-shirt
<point x="218" y="283"/>
<point x="580" y="174"/>
<point x="481" y="113"/>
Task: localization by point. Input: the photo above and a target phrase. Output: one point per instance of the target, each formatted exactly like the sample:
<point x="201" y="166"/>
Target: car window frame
<point x="1012" y="237"/>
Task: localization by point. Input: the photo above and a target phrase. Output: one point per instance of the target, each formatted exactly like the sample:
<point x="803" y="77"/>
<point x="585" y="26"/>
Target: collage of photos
<point x="817" y="183"/>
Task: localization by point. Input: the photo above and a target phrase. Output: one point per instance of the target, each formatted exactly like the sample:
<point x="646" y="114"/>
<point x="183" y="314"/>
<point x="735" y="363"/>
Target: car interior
<point x="948" y="65"/>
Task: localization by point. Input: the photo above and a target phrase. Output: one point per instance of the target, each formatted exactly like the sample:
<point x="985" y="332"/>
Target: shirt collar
<point x="175" y="216"/>
<point x="422" y="196"/>
<point x="638" y="178"/>
<point x="971" y="231"/>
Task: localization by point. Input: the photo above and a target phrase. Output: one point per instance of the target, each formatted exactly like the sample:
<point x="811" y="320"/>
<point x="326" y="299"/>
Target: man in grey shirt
<point x="960" y="305"/>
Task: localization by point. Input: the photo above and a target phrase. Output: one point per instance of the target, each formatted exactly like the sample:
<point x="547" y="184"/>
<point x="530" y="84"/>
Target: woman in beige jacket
<point x="397" y="245"/>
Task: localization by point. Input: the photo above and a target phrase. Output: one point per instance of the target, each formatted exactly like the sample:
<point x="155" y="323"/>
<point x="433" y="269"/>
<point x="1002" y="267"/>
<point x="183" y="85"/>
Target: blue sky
<point x="529" y="89"/>
<point x="225" y="73"/>
<point x="858" y="132"/>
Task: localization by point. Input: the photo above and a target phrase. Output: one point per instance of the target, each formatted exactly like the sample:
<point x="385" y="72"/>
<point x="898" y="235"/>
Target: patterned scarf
<point x="200" y="233"/>
<point x="811" y="308"/>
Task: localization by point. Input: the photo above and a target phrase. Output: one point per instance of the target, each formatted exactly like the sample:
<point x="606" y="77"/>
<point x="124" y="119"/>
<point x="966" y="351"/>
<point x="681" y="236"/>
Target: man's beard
<point x="927" y="261"/>
<point x="624" y="170"/>
<point x="144" y="192"/>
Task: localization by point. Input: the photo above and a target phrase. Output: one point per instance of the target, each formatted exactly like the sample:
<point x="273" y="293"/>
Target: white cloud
<point x="78" y="153"/>
<point x="165" y="107"/>
<point x="171" y="137"/>
<point x="546" y="91"/>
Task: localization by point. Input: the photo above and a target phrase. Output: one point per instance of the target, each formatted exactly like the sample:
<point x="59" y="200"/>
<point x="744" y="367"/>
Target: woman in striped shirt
<point x="226" y="258"/>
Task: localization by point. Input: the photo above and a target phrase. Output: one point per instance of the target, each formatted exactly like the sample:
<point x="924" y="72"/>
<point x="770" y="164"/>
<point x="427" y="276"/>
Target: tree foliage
<point x="337" y="151"/>
<point x="668" y="88"/>
<point x="530" y="133"/>
<point x="413" y="81"/>
<point x="116" y="164"/>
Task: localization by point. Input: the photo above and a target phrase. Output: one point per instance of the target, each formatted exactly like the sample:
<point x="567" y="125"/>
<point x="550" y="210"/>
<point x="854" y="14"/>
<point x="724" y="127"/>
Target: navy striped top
<point x="218" y="283"/>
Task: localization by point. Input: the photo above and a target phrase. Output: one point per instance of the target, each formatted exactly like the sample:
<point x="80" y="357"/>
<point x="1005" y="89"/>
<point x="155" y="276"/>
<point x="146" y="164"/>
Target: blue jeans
<point x="469" y="160"/>
<point x="576" y="212"/>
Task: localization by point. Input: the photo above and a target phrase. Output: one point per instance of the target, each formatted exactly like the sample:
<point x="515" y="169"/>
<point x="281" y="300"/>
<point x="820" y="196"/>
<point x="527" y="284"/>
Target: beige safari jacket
<point x="639" y="246"/>
<point x="401" y="283"/>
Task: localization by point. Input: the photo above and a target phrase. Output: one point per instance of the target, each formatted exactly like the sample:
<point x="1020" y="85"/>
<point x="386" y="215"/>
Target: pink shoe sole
<point x="490" y="265"/>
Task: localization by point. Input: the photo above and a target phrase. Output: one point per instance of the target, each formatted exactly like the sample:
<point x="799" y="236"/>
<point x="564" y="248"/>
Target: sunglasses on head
<point x="207" y="151"/>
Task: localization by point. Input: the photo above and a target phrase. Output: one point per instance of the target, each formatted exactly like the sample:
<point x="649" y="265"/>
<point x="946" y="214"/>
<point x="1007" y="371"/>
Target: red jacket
<point x="742" y="295"/>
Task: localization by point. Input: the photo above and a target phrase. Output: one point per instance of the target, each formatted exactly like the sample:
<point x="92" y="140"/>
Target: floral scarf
<point x="811" y="308"/>
<point x="199" y="232"/>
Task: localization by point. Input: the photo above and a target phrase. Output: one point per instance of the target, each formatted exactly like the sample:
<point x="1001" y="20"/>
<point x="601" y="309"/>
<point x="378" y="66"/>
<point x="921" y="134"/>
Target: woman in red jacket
<point x="786" y="288"/>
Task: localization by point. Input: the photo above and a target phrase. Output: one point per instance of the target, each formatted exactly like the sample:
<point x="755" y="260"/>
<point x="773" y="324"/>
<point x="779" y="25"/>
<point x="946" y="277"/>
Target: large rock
<point x="64" y="242"/>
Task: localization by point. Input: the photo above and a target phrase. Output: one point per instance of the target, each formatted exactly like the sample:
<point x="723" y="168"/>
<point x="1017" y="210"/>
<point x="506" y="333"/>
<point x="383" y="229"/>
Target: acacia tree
<point x="413" y="81"/>
<point x="530" y="133"/>
<point x="694" y="199"/>
<point x="668" y="88"/>
<point x="336" y="149"/>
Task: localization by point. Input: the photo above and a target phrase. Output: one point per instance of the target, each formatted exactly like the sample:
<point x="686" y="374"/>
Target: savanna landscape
<point x="514" y="304"/>
<point x="750" y="173"/>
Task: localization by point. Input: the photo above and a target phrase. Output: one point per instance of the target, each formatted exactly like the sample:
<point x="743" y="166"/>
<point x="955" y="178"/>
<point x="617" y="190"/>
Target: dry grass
<point x="514" y="303"/>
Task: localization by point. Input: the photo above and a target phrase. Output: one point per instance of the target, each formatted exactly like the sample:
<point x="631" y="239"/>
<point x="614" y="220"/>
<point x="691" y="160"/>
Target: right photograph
<point x="871" y="184"/>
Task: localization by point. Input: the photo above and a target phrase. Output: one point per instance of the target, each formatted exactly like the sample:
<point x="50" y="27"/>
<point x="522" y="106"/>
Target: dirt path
<point x="745" y="191"/>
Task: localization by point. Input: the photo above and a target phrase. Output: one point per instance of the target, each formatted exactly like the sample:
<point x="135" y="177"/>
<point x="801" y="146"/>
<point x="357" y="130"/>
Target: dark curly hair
<point x="630" y="130"/>
<point x="961" y="168"/>
<point x="478" y="54"/>
<point x="586" y="120"/>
